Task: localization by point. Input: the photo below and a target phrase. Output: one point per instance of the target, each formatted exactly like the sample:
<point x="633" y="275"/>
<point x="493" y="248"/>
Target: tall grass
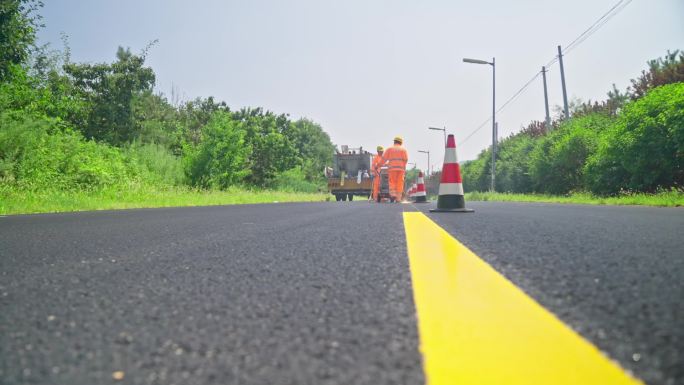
<point x="666" y="198"/>
<point x="14" y="201"/>
<point x="155" y="164"/>
<point x="45" y="167"/>
<point x="294" y="180"/>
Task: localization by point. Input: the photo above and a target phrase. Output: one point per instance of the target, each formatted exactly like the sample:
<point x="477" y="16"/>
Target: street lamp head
<point x="435" y="128"/>
<point x="424" y="152"/>
<point x="475" y="61"/>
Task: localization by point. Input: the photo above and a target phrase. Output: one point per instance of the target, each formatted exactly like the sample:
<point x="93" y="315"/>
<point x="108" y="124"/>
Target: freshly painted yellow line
<point x="476" y="327"/>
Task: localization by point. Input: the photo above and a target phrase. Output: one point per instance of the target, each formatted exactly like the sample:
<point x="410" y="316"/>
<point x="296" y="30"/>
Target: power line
<point x="507" y="102"/>
<point x="571" y="46"/>
<point x="600" y="22"/>
<point x="591" y="27"/>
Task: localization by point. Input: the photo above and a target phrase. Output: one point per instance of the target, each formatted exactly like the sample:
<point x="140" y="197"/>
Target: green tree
<point x="195" y="114"/>
<point x="110" y="90"/>
<point x="272" y="152"/>
<point x="219" y="160"/>
<point x="18" y="25"/>
<point x="665" y="70"/>
<point x="313" y="146"/>
<point x="156" y="121"/>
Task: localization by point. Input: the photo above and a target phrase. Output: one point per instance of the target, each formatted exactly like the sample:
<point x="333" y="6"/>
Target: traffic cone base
<point x="457" y="202"/>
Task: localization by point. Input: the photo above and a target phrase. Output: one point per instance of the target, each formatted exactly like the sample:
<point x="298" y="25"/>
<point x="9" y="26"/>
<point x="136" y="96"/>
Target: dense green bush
<point x="640" y="148"/>
<point x="512" y="167"/>
<point x="476" y="173"/>
<point x="557" y="160"/>
<point x="156" y="164"/>
<point x="218" y="161"/>
<point x="294" y="180"/>
<point x="37" y="154"/>
<point x="644" y="150"/>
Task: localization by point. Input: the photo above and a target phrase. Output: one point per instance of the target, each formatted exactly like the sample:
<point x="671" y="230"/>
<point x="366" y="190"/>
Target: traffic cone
<point x="450" y="197"/>
<point x="420" y="196"/>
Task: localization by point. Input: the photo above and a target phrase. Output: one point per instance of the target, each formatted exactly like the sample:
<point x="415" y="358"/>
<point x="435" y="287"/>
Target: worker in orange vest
<point x="396" y="158"/>
<point x="377" y="163"/>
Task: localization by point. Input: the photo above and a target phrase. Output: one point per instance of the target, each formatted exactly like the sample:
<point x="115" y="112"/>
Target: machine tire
<point x="350" y="197"/>
<point x="344" y="197"/>
<point x="338" y="197"/>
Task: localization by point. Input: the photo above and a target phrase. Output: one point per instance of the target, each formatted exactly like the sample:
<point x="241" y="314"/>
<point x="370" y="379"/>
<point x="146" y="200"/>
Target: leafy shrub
<point x="36" y="154"/>
<point x="156" y="164"/>
<point x="512" y="164"/>
<point x="218" y="161"/>
<point x="644" y="150"/>
<point x="294" y="180"/>
<point x="557" y="160"/>
<point x="476" y="173"/>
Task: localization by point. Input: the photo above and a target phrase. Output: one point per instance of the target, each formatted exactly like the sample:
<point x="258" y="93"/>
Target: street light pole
<point x="493" y="123"/>
<point x="440" y="129"/>
<point x="493" y="64"/>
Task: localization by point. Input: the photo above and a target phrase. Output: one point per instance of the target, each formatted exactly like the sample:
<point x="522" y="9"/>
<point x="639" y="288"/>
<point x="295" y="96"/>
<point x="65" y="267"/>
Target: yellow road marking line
<point x="476" y="327"/>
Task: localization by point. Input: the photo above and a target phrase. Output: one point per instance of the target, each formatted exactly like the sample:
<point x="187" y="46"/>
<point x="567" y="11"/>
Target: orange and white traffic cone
<point x="419" y="195"/>
<point x="450" y="197"/>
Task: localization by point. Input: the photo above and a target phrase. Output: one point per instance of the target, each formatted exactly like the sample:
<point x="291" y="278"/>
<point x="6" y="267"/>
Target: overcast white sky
<point x="370" y="70"/>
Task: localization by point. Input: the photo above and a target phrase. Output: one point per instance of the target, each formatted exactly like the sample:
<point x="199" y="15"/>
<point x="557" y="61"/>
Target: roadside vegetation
<point x="627" y="149"/>
<point x="672" y="198"/>
<point x="82" y="136"/>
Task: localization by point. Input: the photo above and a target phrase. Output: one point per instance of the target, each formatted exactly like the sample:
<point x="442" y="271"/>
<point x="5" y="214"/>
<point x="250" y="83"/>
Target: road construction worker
<point x="377" y="163"/>
<point x="396" y="158"/>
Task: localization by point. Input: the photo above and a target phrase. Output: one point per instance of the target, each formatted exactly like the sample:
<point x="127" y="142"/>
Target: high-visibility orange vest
<point x="396" y="157"/>
<point x="377" y="163"/>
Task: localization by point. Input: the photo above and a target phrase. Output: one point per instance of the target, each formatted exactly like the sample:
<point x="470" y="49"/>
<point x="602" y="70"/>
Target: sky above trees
<point x="367" y="71"/>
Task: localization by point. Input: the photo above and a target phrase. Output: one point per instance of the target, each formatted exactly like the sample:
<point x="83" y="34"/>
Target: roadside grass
<point x="14" y="201"/>
<point x="669" y="198"/>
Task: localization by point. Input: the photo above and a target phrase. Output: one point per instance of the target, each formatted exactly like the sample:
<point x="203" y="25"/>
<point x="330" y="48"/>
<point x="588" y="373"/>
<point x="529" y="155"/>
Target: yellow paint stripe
<point x="476" y="327"/>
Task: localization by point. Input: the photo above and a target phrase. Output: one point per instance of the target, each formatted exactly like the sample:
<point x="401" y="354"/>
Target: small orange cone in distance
<point x="420" y="196"/>
<point x="450" y="197"/>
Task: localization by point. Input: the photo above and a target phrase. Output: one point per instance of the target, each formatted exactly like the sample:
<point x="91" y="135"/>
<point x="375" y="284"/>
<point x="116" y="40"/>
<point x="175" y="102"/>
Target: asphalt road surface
<point x="314" y="293"/>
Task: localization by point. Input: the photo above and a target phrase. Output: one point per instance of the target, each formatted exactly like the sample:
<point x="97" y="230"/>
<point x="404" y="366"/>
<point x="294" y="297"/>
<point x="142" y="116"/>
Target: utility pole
<point x="493" y="64"/>
<point x="547" y="121"/>
<point x="565" y="93"/>
<point x="495" y="141"/>
<point x="493" y="123"/>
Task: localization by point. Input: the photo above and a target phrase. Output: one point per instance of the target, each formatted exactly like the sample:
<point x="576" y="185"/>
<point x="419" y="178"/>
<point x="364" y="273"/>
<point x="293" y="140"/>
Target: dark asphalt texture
<point x="614" y="274"/>
<point x="313" y="293"/>
<point x="255" y="294"/>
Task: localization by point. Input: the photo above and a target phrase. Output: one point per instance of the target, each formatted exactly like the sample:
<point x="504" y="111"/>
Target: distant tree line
<point x="632" y="141"/>
<point x="80" y="125"/>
